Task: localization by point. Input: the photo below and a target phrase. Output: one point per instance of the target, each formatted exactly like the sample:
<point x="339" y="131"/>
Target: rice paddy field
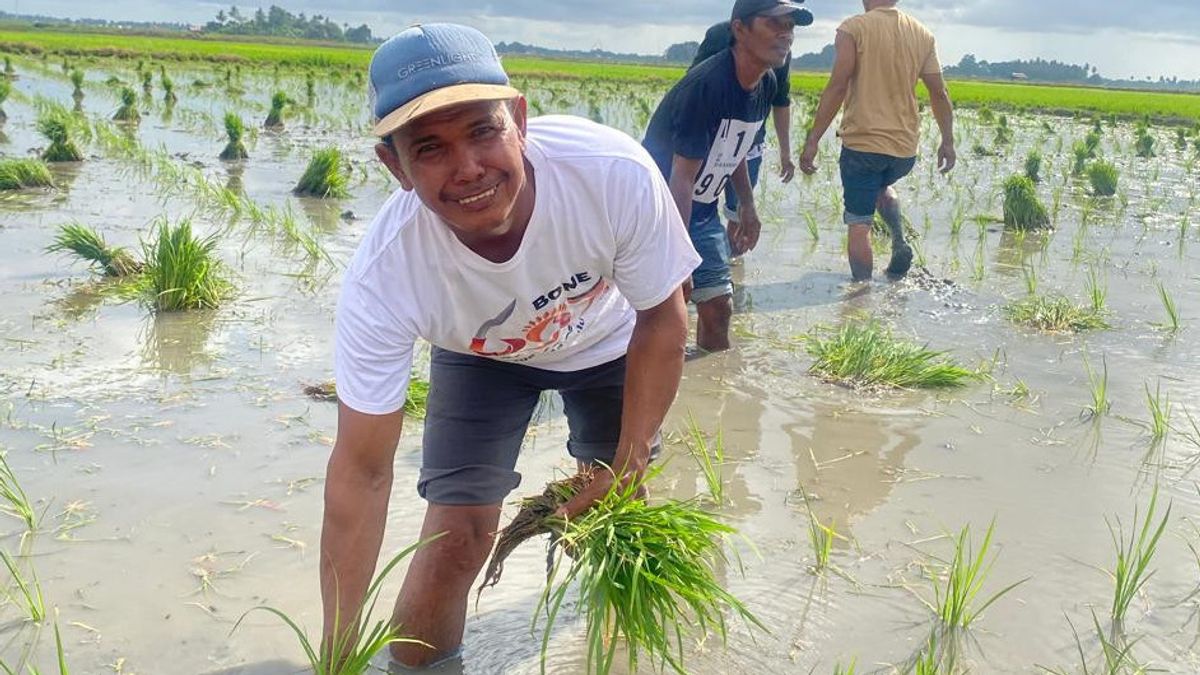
<point x="1022" y="502"/>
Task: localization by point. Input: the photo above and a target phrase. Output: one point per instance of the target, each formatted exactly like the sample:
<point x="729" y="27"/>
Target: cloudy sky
<point x="1133" y="38"/>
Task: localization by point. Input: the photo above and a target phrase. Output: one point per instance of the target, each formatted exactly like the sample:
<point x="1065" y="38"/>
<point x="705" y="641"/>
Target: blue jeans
<point x="712" y="278"/>
<point x="864" y="176"/>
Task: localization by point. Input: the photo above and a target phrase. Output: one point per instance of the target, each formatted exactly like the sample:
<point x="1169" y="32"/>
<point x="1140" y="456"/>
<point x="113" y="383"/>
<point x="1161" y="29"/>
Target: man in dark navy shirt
<point x="718" y="38"/>
<point x="700" y="137"/>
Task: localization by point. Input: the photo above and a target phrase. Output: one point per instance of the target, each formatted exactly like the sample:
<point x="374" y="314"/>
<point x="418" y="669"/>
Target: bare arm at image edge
<point x="358" y="484"/>
<point x="943" y="112"/>
<point x="781" y="116"/>
<point x="832" y="98"/>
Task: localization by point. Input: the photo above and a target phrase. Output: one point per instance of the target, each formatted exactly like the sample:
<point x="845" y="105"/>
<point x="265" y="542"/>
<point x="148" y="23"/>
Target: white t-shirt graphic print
<point x="604" y="240"/>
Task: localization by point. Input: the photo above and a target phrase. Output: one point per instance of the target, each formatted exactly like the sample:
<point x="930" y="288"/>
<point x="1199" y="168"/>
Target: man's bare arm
<point x="943" y="112"/>
<point x="682" y="182"/>
<point x="844" y="64"/>
<point x="358" y="483"/>
<point x="781" y="117"/>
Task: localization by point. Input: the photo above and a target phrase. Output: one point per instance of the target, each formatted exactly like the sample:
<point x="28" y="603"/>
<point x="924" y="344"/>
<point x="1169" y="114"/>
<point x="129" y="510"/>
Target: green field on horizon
<point x="1062" y="99"/>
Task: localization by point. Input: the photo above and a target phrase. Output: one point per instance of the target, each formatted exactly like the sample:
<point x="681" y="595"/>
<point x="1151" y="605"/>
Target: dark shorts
<point x="479" y="409"/>
<point x="864" y="176"/>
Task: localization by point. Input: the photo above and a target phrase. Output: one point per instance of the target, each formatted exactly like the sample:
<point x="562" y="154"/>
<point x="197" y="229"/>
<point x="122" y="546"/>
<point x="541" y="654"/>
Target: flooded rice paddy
<point x="177" y="465"/>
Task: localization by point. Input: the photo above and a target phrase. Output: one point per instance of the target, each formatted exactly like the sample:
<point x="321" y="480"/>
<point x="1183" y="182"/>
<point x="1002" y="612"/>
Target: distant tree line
<point x="278" y="22"/>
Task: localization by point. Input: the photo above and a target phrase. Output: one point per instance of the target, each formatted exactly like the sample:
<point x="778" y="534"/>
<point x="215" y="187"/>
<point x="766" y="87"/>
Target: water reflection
<point x="177" y="342"/>
<point x="1016" y="248"/>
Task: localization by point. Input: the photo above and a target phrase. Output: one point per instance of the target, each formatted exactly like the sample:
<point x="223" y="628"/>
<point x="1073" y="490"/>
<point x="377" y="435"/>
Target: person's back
<point x="894" y="50"/>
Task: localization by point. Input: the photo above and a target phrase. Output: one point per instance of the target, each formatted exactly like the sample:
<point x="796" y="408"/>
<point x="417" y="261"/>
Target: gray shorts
<point x="478" y="411"/>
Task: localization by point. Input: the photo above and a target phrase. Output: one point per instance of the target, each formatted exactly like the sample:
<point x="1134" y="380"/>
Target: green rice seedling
<point x="986" y="116"/>
<point x="168" y="85"/>
<point x="1092" y="143"/>
<point x="182" y="270"/>
<point x="15" y="502"/>
<point x="1004" y="135"/>
<point x="1080" y="156"/>
<point x="1103" y="177"/>
<point x="28" y="593"/>
<point x="646" y="575"/>
<point x="955" y="599"/>
<point x="839" y="669"/>
<point x="1116" y="655"/>
<point x="417" y="398"/>
<point x="1134" y="556"/>
<point x="820" y="536"/>
<point x="88" y="245"/>
<point x="310" y="89"/>
<point x="1160" y="412"/>
<point x="1054" y="314"/>
<point x="708" y="458"/>
<point x="1022" y="208"/>
<point x="814" y="229"/>
<point x="325" y="176"/>
<point x="54" y="126"/>
<point x="866" y="354"/>
<point x="128" y="111"/>
<point x="235" y="129"/>
<point x="356" y="641"/>
<point x="1098" y="385"/>
<point x="275" y="115"/>
<point x="1033" y="166"/>
<point x="9" y="71"/>
<point x="77" y="82"/>
<point x="1097" y="292"/>
<point x="1168" y="302"/>
<point x="148" y="82"/>
<point x="5" y="92"/>
<point x="1181" y="139"/>
<point x="17" y="174"/>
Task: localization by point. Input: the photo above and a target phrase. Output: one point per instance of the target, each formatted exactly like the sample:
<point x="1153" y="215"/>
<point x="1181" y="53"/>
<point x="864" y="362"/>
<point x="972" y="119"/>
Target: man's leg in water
<point x="712" y="323"/>
<point x="862" y="183"/>
<point x="713" y="284"/>
<point x="858" y="246"/>
<point x="888" y="206"/>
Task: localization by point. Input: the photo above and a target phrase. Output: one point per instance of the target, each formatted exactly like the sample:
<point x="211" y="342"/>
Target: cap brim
<point x="439" y="99"/>
<point x="782" y="9"/>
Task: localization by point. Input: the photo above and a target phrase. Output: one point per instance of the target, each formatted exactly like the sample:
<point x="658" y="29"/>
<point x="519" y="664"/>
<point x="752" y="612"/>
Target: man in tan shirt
<point x="880" y="56"/>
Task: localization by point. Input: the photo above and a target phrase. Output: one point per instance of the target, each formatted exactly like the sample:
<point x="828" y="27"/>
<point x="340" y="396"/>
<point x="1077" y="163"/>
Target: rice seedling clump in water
<point x="645" y="572"/>
<point x="168" y="85"/>
<point x="53" y="125"/>
<point x="866" y="354"/>
<point x="1103" y="177"/>
<point x="235" y="129"/>
<point x="88" y="245"/>
<point x="128" y="111"/>
<point x="182" y="271"/>
<point x="5" y="91"/>
<point x="1054" y="314"/>
<point x="325" y="176"/>
<point x="1033" y="166"/>
<point x="1022" y="208"/>
<point x="77" y="82"/>
<point x="16" y="174"/>
<point x="275" y="115"/>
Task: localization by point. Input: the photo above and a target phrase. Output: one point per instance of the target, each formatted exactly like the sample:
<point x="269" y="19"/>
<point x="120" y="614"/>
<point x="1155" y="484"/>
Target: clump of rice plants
<point x="646" y="573"/>
<point x="1172" y="310"/>
<point x="955" y="599"/>
<point x="1134" y="556"/>
<point x="87" y="244"/>
<point x="128" y="112"/>
<point x="182" y="270"/>
<point x="1103" y="177"/>
<point x="147" y="82"/>
<point x="1033" y="166"/>
<point x="1160" y="412"/>
<point x="17" y="174"/>
<point x="1181" y="139"/>
<point x="866" y="354"/>
<point x="1004" y="134"/>
<point x="1080" y="156"/>
<point x="77" y="82"/>
<point x="1054" y="313"/>
<point x="235" y="129"/>
<point x="310" y="88"/>
<point x="275" y="114"/>
<point x="15" y="502"/>
<point x="709" y="458"/>
<point x="1143" y="142"/>
<point x="53" y="125"/>
<point x="986" y="115"/>
<point x="1022" y="208"/>
<point x="325" y="176"/>
<point x="168" y="85"/>
<point x="356" y="641"/>
<point x="5" y="92"/>
<point x="1098" y="386"/>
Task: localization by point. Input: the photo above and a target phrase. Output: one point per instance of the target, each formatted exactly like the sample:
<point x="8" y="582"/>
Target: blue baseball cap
<point x="432" y="66"/>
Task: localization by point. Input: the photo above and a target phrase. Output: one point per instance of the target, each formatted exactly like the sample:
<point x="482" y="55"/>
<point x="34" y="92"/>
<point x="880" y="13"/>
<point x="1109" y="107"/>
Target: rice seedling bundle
<point x="88" y="245"/>
<point x="147" y="82"/>
<point x="77" y="82"/>
<point x="1080" y="156"/>
<point x="181" y="269"/>
<point x="1180" y="138"/>
<point x="1144" y="144"/>
<point x="1022" y="208"/>
<point x="1103" y="177"/>
<point x="16" y="174"/>
<point x="646" y="572"/>
<point x="866" y="354"/>
<point x="235" y="129"/>
<point x="168" y="86"/>
<point x="1054" y="314"/>
<point x="54" y="126"/>
<point x="5" y="91"/>
<point x="325" y="176"/>
<point x="1033" y="166"/>
<point x="415" y="403"/>
<point x="128" y="111"/>
<point x="275" y="115"/>
<point x="310" y="88"/>
<point x="9" y="71"/>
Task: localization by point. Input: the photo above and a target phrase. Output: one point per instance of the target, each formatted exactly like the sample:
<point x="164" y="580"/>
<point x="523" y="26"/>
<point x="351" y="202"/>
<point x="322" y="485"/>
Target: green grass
<point x="17" y="174"/>
<point x="28" y="592"/>
<point x="1022" y="208"/>
<point x="647" y="579"/>
<point x="957" y="599"/>
<point x="325" y="176"/>
<point x="77" y="82"/>
<point x="275" y="114"/>
<point x="819" y="536"/>
<point x="235" y="129"/>
<point x="1168" y="302"/>
<point x="1104" y="178"/>
<point x="357" y="641"/>
<point x="1134" y="556"/>
<point x="1160" y="412"/>
<point x="709" y="458"/>
<point x="1054" y="314"/>
<point x="1097" y="292"/>
<point x="14" y="500"/>
<point x="416" y="400"/>
<point x="55" y="127"/>
<point x="128" y="112"/>
<point x="88" y="245"/>
<point x="1098" y="386"/>
<point x="182" y="270"/>
<point x="866" y="354"/>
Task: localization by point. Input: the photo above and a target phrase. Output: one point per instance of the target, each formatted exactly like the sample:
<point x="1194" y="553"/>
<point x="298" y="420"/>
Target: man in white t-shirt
<point x="533" y="255"/>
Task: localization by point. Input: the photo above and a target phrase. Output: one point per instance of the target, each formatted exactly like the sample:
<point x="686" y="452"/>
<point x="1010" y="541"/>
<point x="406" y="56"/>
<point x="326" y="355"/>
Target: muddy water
<point x="179" y="467"/>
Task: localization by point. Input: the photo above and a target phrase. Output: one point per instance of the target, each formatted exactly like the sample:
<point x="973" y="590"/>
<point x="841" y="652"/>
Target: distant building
<point x="1020" y="76"/>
